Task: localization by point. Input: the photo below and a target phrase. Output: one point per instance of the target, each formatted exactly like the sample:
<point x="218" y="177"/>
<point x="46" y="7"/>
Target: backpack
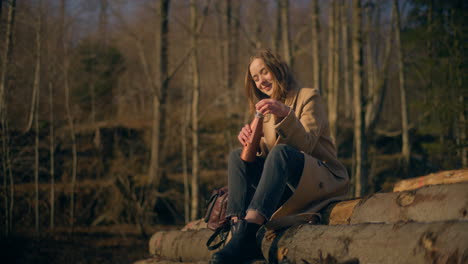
<point x="215" y="217"/>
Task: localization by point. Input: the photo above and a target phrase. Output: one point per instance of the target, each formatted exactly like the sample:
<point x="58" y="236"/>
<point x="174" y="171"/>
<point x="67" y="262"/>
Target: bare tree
<point x="277" y="33"/>
<point x="406" y="150"/>
<point x="160" y="94"/>
<point x="332" y="87"/>
<point x="195" y="108"/>
<point x="185" y="124"/>
<point x="235" y="49"/>
<point x="316" y="44"/>
<point x="377" y="77"/>
<point x="103" y="21"/>
<point x="71" y="126"/>
<point x="6" y="58"/>
<point x="345" y="57"/>
<point x="37" y="81"/>
<point x="52" y="155"/>
<point x="285" y="35"/>
<point x="360" y="146"/>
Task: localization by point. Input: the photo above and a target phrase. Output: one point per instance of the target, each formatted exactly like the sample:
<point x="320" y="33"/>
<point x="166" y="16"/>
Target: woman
<point x="296" y="161"/>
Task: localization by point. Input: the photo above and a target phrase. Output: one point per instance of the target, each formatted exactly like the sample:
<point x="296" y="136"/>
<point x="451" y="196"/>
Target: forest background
<point x="118" y="113"/>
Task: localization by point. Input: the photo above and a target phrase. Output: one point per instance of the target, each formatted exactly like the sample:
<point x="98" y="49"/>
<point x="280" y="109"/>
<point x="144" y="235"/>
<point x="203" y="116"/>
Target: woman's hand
<point x="244" y="135"/>
<point x="272" y="106"/>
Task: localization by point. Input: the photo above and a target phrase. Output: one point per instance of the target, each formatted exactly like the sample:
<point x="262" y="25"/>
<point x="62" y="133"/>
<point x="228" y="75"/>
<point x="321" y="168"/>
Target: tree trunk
<point x="71" y="126"/>
<point x="439" y="242"/>
<point x="462" y="131"/>
<point x="185" y="124"/>
<point x="181" y="245"/>
<point x="377" y="81"/>
<point x="6" y="57"/>
<point x="195" y="107"/>
<point x="52" y="155"/>
<point x="345" y="58"/>
<point x="316" y="44"/>
<point x="408" y="206"/>
<point x="160" y="96"/>
<point x="285" y="35"/>
<point x="227" y="56"/>
<point x="258" y="6"/>
<point x="155" y="151"/>
<point x="332" y="87"/>
<point x="360" y="173"/>
<point x="406" y="149"/>
<point x="277" y="33"/>
<point x="443" y="177"/>
<point x="235" y="39"/>
<point x="336" y="70"/>
<point x="409" y="243"/>
<point x="103" y="21"/>
<point x="37" y="81"/>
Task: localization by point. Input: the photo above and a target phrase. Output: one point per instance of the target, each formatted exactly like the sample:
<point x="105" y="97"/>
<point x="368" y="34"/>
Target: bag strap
<point x="222" y="232"/>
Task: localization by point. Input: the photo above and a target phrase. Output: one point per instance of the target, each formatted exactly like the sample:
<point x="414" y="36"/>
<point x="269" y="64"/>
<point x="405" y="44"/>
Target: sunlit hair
<point x="283" y="80"/>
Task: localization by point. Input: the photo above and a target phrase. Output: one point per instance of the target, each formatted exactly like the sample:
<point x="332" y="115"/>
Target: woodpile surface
<point x="428" y="224"/>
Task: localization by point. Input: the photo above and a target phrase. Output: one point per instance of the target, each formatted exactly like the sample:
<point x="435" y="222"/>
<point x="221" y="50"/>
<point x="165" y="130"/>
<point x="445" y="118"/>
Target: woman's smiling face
<point x="262" y="77"/>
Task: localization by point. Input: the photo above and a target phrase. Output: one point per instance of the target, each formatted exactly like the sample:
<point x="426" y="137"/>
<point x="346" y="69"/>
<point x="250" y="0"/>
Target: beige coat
<point x="306" y="128"/>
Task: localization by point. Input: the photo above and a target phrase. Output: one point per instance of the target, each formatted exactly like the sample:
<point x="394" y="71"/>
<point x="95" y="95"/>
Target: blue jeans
<point x="262" y="185"/>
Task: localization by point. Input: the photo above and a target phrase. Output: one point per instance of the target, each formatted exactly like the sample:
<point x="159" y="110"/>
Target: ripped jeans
<point x="262" y="185"/>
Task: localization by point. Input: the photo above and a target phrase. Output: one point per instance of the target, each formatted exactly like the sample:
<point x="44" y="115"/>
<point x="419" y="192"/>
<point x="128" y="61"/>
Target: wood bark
<point x="406" y="148"/>
<point x="411" y="242"/>
<point x="181" y="245"/>
<point x="316" y="44"/>
<point x="410" y="206"/>
<point x="71" y="125"/>
<point x="360" y="146"/>
<point x="383" y="213"/>
<point x="443" y="177"/>
<point x="438" y="242"/>
<point x="195" y="107"/>
<point x="285" y="35"/>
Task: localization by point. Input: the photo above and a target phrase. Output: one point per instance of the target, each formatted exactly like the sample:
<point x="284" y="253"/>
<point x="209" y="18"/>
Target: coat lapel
<point x="269" y="122"/>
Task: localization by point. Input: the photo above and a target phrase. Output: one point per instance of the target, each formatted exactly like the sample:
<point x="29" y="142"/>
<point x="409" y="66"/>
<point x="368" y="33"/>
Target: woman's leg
<point x="241" y="177"/>
<point x="284" y="164"/>
<point x="243" y="245"/>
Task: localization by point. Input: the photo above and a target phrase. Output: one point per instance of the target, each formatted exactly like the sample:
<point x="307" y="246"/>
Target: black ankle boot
<point x="242" y="246"/>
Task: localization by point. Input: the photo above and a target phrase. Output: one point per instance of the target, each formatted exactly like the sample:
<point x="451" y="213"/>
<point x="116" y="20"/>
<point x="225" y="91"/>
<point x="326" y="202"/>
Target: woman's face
<point x="262" y="77"/>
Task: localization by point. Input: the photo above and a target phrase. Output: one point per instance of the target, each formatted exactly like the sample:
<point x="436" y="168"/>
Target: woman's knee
<point x="234" y="156"/>
<point x="280" y="151"/>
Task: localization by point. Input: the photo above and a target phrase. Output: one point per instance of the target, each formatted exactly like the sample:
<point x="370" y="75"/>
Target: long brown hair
<point x="283" y="80"/>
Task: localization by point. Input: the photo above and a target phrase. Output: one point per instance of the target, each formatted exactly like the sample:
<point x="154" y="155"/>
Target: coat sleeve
<point x="304" y="131"/>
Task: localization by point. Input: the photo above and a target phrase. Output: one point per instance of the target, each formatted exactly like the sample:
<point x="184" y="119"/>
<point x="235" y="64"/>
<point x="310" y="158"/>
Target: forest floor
<point x="84" y="246"/>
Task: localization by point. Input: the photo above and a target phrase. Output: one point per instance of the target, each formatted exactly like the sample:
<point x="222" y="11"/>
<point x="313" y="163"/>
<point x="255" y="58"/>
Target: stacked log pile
<point x="424" y="220"/>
